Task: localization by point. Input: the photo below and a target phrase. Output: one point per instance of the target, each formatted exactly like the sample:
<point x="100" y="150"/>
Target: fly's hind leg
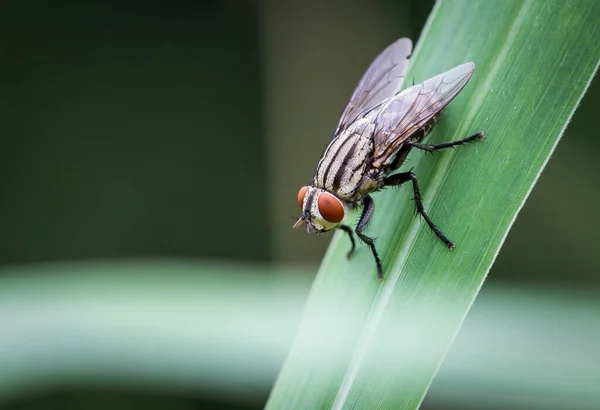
<point x="399" y="179"/>
<point x="435" y="147"/>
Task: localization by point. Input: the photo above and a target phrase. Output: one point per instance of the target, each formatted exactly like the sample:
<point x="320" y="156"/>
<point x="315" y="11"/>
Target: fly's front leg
<point x="399" y="179"/>
<point x="436" y="147"/>
<point x="367" y="213"/>
<point x="348" y="230"/>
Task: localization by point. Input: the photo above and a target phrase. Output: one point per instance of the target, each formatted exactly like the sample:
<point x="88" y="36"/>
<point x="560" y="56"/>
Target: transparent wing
<point x="408" y="111"/>
<point x="382" y="80"/>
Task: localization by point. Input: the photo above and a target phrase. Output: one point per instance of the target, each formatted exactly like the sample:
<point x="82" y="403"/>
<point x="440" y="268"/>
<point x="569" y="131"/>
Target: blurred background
<point x="142" y="135"/>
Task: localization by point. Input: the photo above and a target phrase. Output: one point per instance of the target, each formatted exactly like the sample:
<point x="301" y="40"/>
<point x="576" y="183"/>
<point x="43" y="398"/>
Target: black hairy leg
<point x="367" y="213"/>
<point x="435" y="147"/>
<point x="399" y="179"/>
<point x="348" y="230"/>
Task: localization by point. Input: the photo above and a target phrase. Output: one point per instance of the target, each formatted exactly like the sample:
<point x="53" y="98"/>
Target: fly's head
<point x="321" y="211"/>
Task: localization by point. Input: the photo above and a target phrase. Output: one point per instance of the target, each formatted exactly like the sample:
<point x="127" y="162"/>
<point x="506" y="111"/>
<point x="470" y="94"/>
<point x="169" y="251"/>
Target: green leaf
<point x="222" y="330"/>
<point x="369" y="344"/>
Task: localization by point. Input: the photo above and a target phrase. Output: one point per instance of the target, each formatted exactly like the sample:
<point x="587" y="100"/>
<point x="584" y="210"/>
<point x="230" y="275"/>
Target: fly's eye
<point x="331" y="208"/>
<point x="301" y="195"/>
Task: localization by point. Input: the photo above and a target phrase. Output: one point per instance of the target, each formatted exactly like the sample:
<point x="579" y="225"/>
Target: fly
<point x="375" y="133"/>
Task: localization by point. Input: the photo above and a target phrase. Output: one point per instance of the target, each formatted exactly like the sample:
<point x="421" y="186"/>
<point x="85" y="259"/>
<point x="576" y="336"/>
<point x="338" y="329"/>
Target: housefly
<point x="377" y="129"/>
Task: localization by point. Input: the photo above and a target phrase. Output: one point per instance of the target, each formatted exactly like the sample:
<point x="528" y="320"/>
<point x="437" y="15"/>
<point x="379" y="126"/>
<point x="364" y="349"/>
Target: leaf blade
<point x="534" y="62"/>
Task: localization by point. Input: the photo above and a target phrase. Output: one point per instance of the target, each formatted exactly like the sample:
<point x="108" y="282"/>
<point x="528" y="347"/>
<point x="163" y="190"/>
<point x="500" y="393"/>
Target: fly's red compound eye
<point x="301" y="195"/>
<point x="331" y="208"/>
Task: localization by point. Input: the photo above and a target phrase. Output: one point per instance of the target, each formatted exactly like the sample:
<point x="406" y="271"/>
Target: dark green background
<point x="138" y="130"/>
<point x="131" y="130"/>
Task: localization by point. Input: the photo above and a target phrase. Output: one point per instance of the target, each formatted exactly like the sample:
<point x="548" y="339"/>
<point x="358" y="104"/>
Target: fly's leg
<point x="348" y="230"/>
<point x="367" y="213"/>
<point x="436" y="147"/>
<point x="399" y="179"/>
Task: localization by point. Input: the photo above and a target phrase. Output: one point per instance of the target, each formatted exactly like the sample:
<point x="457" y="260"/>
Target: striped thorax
<point x="343" y="168"/>
<point x="341" y="178"/>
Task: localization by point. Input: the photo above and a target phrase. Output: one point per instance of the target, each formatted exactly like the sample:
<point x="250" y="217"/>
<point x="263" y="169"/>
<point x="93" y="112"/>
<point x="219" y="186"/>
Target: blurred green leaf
<point x="366" y="344"/>
<point x="223" y="330"/>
